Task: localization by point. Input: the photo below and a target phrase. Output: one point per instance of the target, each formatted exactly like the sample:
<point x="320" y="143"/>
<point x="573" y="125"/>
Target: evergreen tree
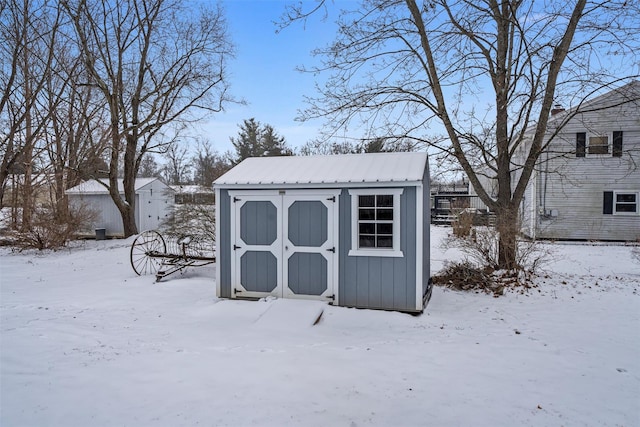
<point x="257" y="140"/>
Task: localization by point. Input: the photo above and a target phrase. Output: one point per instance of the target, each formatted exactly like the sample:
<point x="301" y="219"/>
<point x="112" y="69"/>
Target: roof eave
<point x="297" y="185"/>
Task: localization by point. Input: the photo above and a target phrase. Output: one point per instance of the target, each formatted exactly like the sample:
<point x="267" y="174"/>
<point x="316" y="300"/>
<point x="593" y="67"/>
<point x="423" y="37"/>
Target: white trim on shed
<point x="256" y="201"/>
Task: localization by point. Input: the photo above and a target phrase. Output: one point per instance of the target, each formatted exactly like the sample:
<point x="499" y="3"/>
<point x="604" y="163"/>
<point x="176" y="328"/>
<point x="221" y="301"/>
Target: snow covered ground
<point x="85" y="342"/>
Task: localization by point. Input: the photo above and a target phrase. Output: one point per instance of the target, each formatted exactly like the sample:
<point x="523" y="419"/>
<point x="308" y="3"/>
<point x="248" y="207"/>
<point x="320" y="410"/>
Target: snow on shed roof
<point x="94" y="187"/>
<point x="333" y="169"/>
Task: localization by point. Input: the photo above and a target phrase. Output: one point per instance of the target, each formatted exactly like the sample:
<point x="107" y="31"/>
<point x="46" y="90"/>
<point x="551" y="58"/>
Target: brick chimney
<point x="556" y="109"/>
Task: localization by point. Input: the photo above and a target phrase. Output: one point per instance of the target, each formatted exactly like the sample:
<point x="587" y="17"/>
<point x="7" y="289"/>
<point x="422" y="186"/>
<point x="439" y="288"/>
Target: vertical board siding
<point x="224" y="245"/>
<point x="107" y="214"/>
<point x="258" y="271"/>
<point x="307" y="273"/>
<point x="426" y="221"/>
<point x="366" y="282"/>
<point x="386" y="276"/>
<point x="379" y="282"/>
<point x="258" y="223"/>
<point x="307" y="223"/>
<point x="307" y="227"/>
<point x="156" y="201"/>
<point x="153" y="203"/>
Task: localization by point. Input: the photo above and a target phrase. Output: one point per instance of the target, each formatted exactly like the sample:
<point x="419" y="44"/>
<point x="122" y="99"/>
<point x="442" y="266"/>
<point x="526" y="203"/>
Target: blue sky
<point x="264" y="74"/>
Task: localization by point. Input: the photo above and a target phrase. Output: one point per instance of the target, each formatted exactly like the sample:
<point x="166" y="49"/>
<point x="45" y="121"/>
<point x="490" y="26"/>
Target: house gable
<point x="592" y="160"/>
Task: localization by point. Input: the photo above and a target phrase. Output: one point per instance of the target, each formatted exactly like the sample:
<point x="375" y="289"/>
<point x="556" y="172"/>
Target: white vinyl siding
<point x="565" y="197"/>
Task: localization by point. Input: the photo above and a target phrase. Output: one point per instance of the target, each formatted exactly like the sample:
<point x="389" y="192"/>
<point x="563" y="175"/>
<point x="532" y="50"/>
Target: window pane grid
<point x="626" y="202"/>
<point x="375" y="221"/>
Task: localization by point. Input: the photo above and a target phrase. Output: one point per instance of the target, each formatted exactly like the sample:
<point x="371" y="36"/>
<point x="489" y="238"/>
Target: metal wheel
<point x="144" y="250"/>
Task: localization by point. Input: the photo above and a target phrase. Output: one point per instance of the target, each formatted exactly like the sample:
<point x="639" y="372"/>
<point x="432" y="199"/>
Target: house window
<point x="375" y="222"/>
<point x="599" y="144"/>
<point x="621" y="203"/>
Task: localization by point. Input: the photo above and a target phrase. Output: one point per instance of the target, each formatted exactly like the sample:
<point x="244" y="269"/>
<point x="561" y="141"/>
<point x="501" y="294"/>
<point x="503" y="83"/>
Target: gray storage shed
<point x="154" y="202"/>
<point x="351" y="229"/>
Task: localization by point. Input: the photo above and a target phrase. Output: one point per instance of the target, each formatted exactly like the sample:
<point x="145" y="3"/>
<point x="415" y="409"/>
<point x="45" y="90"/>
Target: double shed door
<point x="284" y="244"/>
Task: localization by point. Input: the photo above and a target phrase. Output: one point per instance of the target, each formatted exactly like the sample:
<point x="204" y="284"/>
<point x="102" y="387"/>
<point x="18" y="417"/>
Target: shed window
<point x="620" y="203"/>
<point x="375" y="222"/>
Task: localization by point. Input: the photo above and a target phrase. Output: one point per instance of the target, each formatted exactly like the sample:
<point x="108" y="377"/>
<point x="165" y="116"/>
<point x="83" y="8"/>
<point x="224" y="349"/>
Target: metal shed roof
<point x="94" y="187"/>
<point x="370" y="168"/>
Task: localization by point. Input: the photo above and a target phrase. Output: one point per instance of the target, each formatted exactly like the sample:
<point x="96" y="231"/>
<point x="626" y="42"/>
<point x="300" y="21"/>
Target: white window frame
<point x="615" y="203"/>
<point x="608" y="135"/>
<point x="394" y="251"/>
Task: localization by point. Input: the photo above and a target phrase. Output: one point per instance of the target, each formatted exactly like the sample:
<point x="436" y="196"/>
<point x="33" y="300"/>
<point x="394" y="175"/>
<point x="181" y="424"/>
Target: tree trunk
<point x="129" y="182"/>
<point x="27" y="184"/>
<point x="507" y="225"/>
<point x="126" y="207"/>
<point x="129" y="221"/>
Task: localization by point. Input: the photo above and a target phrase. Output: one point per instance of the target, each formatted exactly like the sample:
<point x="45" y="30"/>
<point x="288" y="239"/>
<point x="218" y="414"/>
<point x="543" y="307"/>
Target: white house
<point x="586" y="185"/>
<point x="154" y="202"/>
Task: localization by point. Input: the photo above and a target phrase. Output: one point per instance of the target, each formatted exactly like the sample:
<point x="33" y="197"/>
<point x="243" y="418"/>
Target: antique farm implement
<point x="152" y="254"/>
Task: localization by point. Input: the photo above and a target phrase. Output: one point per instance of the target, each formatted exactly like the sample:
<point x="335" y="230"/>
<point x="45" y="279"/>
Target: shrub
<point x="192" y="220"/>
<point x="464" y="276"/>
<point x="463" y="225"/>
<point x="50" y="229"/>
<point x="479" y="268"/>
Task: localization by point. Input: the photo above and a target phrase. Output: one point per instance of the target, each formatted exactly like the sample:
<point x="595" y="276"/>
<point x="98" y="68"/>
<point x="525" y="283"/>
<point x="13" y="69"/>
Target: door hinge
<point x="332" y="198"/>
<point x="332" y="250"/>
<point x="331" y="297"/>
<point x="235" y="199"/>
<point x="236" y="247"/>
<point x="235" y="291"/>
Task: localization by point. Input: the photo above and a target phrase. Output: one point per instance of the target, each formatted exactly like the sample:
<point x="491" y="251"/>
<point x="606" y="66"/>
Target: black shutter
<point x="607" y="206"/>
<point x="581" y="144"/>
<point x="617" y="144"/>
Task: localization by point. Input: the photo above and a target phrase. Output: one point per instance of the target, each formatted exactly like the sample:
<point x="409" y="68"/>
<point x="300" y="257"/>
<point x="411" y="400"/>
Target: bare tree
<point x="74" y="135"/>
<point x="157" y="64"/>
<point x="486" y="72"/>
<point x="373" y="145"/>
<point x="148" y="167"/>
<point x="27" y="35"/>
<point x="208" y="165"/>
<point x="177" y="167"/>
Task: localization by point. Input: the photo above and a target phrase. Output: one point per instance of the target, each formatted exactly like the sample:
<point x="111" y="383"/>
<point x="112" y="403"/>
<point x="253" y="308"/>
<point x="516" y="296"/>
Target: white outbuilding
<point x="154" y="202"/>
